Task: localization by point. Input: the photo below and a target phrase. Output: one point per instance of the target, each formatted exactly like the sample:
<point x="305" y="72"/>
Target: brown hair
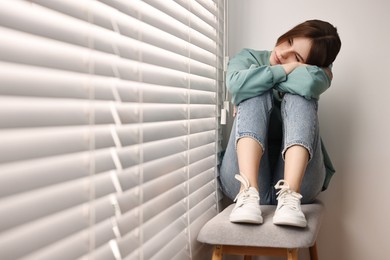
<point x="325" y="40"/>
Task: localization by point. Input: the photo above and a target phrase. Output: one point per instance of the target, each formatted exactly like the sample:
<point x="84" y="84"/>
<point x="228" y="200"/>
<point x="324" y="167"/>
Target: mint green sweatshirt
<point x="250" y="74"/>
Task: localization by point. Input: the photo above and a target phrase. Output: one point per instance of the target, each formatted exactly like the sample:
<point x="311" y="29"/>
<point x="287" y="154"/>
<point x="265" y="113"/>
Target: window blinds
<point x="109" y="128"/>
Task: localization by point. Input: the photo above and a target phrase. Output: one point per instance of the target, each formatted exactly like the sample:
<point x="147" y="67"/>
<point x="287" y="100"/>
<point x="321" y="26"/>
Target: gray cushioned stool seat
<point x="220" y="231"/>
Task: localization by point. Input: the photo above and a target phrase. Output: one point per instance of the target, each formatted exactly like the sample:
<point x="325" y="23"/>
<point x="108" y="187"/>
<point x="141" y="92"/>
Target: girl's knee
<point x="299" y="103"/>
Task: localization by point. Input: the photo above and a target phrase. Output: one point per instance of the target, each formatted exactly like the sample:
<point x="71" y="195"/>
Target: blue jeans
<point x="276" y="129"/>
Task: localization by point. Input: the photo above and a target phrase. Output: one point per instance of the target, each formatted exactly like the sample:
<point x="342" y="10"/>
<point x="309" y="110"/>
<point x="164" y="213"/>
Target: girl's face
<point x="292" y="50"/>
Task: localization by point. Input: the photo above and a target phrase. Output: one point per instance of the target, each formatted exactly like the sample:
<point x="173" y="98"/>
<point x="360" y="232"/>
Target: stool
<point x="266" y="239"/>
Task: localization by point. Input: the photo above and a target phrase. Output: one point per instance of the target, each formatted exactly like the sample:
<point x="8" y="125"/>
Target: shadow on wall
<point x="337" y="131"/>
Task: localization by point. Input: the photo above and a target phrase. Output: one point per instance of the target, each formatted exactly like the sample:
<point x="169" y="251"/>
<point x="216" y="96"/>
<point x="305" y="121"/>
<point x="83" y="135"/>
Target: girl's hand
<point x="289" y="67"/>
<point x="328" y="72"/>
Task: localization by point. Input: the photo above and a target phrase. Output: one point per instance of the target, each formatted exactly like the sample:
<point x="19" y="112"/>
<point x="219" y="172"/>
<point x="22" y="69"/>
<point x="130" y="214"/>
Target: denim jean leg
<point x="229" y="167"/>
<point x="314" y="177"/>
<point x="301" y="127"/>
<point x="251" y="121"/>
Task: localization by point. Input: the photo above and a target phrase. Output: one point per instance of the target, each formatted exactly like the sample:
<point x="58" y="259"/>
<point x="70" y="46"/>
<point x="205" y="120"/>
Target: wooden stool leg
<point x="217" y="253"/>
<point x="313" y="252"/>
<point x="292" y="254"/>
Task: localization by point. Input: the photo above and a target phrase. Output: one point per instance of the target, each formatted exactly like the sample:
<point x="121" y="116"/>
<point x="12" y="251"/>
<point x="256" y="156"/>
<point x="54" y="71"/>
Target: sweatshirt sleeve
<point x="246" y="77"/>
<point x="307" y="81"/>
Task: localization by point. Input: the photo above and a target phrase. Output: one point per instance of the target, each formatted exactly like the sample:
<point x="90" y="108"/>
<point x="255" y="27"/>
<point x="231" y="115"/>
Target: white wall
<point x="354" y="114"/>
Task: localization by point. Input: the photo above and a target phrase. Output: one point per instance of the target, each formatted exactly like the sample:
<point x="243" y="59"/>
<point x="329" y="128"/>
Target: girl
<point x="275" y="142"/>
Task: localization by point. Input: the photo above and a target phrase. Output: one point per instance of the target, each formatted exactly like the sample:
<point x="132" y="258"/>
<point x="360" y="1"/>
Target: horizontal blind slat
<point x="69" y="247"/>
<point x="176" y="247"/>
<point x="77" y="112"/>
<point x="47" y="112"/>
<point x="49" y="230"/>
<point x="211" y="6"/>
<point x="72" y="8"/>
<point x="50" y="83"/>
<point x="42" y="52"/>
<point x="22" y="177"/>
<point x="50" y="142"/>
<point x="159" y="19"/>
<point x="160" y="149"/>
<point x="156" y="221"/>
<point x="199" y="11"/>
<point x="201" y="139"/>
<point x="173" y="226"/>
<point x="196" y="225"/>
<point x="200" y="180"/>
<point x="198" y="199"/>
<point x="163" y="184"/>
<point x="128" y="222"/>
<point x="102" y="253"/>
<point x="202" y="165"/>
<point x="183" y="15"/>
<point x="201" y="152"/>
<point x="200" y="125"/>
<point x="156" y="168"/>
<point x="34" y="174"/>
<point x="29" y="18"/>
<point x="51" y="200"/>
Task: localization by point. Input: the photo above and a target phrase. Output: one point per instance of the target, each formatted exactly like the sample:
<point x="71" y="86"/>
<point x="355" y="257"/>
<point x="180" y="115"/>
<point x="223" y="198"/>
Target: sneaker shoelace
<point x="288" y="197"/>
<point x="245" y="195"/>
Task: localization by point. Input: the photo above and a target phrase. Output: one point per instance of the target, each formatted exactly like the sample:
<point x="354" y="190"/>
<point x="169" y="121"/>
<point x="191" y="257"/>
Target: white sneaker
<point x="247" y="208"/>
<point x="288" y="212"/>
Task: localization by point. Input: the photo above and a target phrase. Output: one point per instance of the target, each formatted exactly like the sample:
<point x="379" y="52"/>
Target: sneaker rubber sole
<point x="246" y="218"/>
<point x="289" y="221"/>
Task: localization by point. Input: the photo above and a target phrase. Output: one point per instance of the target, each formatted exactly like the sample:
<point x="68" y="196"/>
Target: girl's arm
<point x="307" y="81"/>
<point x="246" y="77"/>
